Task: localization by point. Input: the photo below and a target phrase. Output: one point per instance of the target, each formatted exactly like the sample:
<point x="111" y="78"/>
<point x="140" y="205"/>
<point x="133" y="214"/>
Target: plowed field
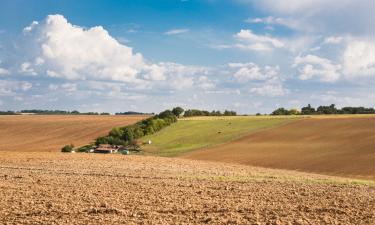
<point x="48" y="133"/>
<point x="57" y="188"/>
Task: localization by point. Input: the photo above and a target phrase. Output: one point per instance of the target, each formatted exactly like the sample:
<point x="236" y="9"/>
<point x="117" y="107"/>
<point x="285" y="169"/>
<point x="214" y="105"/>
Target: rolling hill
<point x="48" y="133"/>
<point x="343" y="146"/>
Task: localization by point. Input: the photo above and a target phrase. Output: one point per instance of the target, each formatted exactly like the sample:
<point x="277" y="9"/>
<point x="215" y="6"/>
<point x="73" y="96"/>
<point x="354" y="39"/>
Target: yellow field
<point x="48" y="133"/>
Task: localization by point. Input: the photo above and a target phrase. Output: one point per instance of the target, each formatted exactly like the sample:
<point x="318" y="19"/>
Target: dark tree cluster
<point x="7" y="113"/>
<point x="196" y="112"/>
<point x="133" y="113"/>
<point x="324" y="110"/>
<point x="128" y="134"/>
<point x="61" y="112"/>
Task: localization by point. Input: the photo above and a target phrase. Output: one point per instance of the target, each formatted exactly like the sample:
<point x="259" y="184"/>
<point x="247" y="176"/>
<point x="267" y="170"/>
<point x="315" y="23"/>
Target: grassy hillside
<point x="50" y="132"/>
<point x="201" y="132"/>
<point x="343" y="146"/>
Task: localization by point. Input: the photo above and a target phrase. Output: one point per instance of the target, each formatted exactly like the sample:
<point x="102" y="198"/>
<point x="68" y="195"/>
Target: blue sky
<point x="244" y="55"/>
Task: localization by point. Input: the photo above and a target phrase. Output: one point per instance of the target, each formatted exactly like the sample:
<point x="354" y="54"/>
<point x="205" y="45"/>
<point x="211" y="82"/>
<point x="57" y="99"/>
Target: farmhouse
<point x="107" y="148"/>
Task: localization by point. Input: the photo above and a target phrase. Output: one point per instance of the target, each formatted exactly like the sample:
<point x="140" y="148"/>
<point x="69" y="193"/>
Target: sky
<point x="146" y="55"/>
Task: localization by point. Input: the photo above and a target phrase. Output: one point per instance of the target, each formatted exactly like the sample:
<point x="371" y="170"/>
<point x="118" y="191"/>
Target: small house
<point x="107" y="148"/>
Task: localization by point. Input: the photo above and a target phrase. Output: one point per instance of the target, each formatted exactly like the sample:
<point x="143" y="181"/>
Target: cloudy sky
<point x="145" y="55"/>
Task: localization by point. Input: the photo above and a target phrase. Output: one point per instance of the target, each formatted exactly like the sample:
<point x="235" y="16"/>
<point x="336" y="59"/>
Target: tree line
<point x="196" y="112"/>
<point x="133" y="113"/>
<point x="330" y="109"/>
<point x="128" y="134"/>
<point x="50" y="112"/>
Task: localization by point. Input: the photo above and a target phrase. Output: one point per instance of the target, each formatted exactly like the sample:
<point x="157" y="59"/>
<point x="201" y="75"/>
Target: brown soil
<point x="51" y="133"/>
<point x="57" y="188"/>
<point x="336" y="146"/>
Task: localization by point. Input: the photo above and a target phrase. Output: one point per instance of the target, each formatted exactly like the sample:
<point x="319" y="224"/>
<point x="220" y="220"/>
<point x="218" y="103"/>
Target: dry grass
<point x="50" y="133"/>
<point x="343" y="146"/>
<point x="57" y="188"/>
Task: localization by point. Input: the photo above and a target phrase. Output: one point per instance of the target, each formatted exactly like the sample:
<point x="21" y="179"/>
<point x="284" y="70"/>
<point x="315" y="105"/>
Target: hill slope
<point x="331" y="145"/>
<point x="201" y="132"/>
<point x="50" y="132"/>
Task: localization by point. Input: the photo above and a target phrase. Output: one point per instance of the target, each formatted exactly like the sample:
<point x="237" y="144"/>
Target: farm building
<point x="107" y="148"/>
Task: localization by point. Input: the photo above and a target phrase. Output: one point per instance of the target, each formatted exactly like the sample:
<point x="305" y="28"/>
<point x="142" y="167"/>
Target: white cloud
<point x="359" y="58"/>
<point x="270" y="89"/>
<point x="27" y="68"/>
<point x="75" y="53"/>
<point x="4" y="71"/>
<point x="176" y="31"/>
<point x="69" y="87"/>
<point x="53" y="87"/>
<point x="333" y="40"/>
<point x="270" y="20"/>
<point x="11" y="87"/>
<point x="30" y="27"/>
<point x="330" y="16"/>
<point x="251" y="71"/>
<point x="312" y="66"/>
<point x="256" y="42"/>
<point x="25" y="86"/>
<point x="205" y="83"/>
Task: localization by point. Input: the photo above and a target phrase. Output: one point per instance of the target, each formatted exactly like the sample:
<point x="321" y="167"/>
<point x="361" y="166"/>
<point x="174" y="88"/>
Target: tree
<point x="293" y="112"/>
<point x="177" y="111"/>
<point x="67" y="148"/>
<point x="280" y="111"/>
<point x="307" y="110"/>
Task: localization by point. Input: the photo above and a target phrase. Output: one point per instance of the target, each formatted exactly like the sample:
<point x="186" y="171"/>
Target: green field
<point x="196" y="133"/>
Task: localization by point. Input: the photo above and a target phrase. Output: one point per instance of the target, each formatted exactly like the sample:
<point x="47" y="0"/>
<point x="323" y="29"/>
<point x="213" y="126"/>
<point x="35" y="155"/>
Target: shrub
<point x="67" y="148"/>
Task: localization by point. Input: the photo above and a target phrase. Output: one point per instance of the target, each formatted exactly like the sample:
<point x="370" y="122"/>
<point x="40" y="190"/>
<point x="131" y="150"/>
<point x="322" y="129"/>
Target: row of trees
<point x="61" y="112"/>
<point x="128" y="134"/>
<point x="196" y="112"/>
<point x="133" y="113"/>
<point x="330" y="109"/>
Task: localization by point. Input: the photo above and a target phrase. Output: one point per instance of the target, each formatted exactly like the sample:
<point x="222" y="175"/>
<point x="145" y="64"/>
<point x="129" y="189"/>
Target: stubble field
<point x="57" y="188"/>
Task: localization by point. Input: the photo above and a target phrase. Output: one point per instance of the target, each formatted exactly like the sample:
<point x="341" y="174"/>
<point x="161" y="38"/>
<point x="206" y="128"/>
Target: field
<point x="50" y="133"/>
<point x="202" y="132"/>
<point x="57" y="188"/>
<point x="336" y="145"/>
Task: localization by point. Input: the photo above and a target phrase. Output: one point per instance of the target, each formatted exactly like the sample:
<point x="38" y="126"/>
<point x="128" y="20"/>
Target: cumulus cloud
<point x="312" y="66"/>
<point x="359" y="58"/>
<point x="252" y="41"/>
<point x="176" y="31"/>
<point x="332" y="16"/>
<point x="72" y="52"/>
<point x="251" y="71"/>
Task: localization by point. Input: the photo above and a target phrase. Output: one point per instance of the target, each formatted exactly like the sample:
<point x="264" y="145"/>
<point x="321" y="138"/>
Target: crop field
<point x="58" y="188"/>
<point x="48" y="133"/>
<point x="202" y="132"/>
<point x="335" y="145"/>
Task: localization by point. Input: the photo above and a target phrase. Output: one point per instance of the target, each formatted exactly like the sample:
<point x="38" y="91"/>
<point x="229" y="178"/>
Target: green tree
<point x="177" y="111"/>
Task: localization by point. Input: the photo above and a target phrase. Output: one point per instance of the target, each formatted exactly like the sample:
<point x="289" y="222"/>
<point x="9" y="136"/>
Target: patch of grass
<point x="190" y="134"/>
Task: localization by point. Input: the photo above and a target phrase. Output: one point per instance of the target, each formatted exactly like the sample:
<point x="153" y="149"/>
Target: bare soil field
<point x="57" y="188"/>
<point x="48" y="133"/>
<point x="343" y="146"/>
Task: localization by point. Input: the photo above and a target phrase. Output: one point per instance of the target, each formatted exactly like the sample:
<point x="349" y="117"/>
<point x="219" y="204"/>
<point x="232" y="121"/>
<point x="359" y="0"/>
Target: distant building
<point x="107" y="148"/>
